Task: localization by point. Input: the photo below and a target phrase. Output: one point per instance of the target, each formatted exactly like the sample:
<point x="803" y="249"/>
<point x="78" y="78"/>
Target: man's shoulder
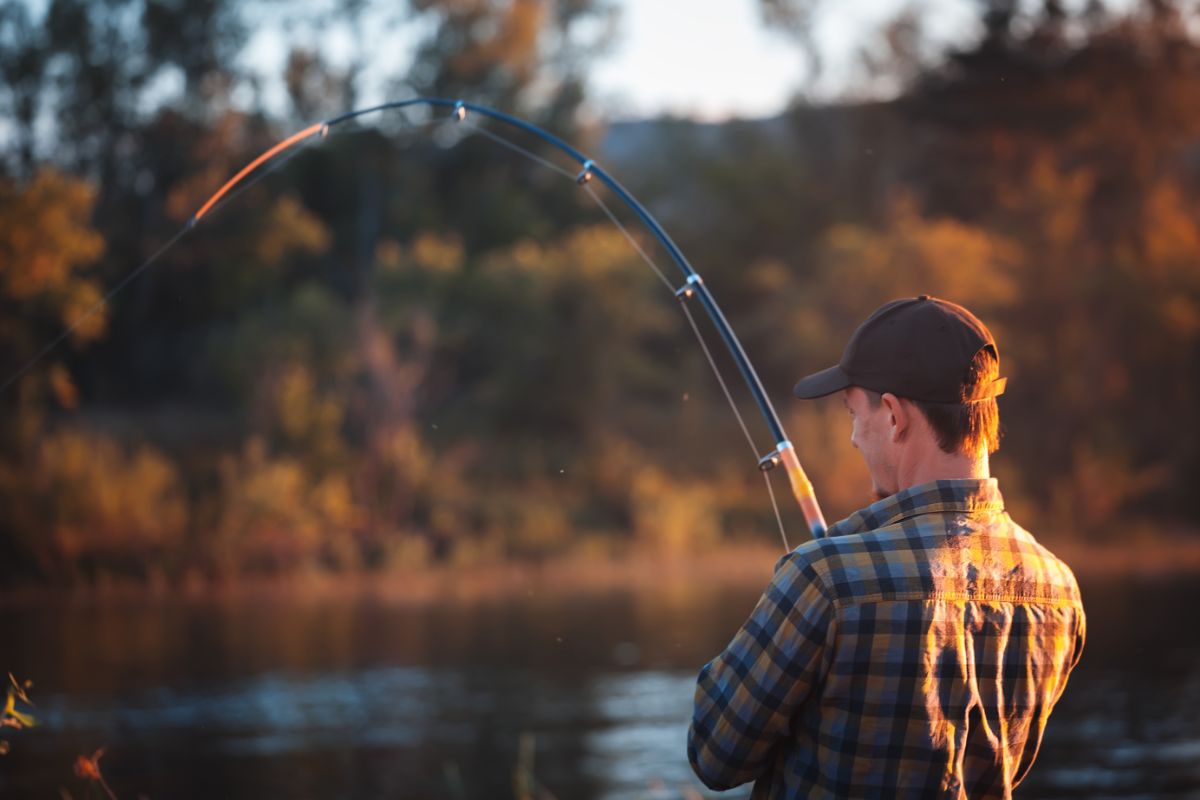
<point x="843" y="545"/>
<point x="1054" y="569"/>
<point x="849" y="565"/>
<point x="942" y="554"/>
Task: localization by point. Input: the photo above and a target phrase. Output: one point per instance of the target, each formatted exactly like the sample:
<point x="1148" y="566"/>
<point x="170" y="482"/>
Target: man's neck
<point x="941" y="466"/>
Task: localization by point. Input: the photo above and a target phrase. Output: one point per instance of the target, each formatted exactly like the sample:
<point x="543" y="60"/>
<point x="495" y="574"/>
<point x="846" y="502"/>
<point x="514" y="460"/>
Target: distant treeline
<point x="403" y="348"/>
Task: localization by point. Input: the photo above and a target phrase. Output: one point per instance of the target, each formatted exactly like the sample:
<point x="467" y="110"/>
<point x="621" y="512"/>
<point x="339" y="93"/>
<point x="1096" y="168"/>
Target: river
<point x="349" y="695"/>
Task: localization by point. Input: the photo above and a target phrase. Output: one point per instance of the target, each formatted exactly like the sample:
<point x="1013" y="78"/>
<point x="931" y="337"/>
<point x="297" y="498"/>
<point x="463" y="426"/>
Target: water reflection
<point x="354" y="697"/>
<point x="642" y="741"/>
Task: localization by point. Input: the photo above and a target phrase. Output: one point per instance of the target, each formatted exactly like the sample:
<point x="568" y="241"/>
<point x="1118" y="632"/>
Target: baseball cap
<point x="919" y="348"/>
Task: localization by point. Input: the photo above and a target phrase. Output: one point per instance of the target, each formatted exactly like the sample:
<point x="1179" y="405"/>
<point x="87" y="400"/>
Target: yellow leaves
<point x="80" y="312"/>
<point x="12" y="717"/>
<point x="45" y="233"/>
<point x="304" y="416"/>
<point x="590" y="276"/>
<point x="671" y="516"/>
<point x="591" y="252"/>
<point x="46" y="240"/>
<point x="598" y="251"/>
<point x="105" y="499"/>
<point x="596" y="260"/>
<point x="263" y="503"/>
<point x="404" y="452"/>
<point x="914" y="254"/>
<point x="152" y="503"/>
<point x="527" y="255"/>
<point x="333" y="502"/>
<point x="434" y="253"/>
<point x="534" y="522"/>
<point x="268" y="483"/>
<point x="272" y="510"/>
<point x="295" y="406"/>
<point x="300" y="410"/>
<point x="289" y="227"/>
<point x="863" y="267"/>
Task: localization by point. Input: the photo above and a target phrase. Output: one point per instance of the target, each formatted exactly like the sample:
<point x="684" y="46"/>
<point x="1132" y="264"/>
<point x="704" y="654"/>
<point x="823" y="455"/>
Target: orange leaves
<point x="86" y="767"/>
<point x="1172" y="233"/>
<point x="105" y="498"/>
<point x="46" y="240"/>
<point x="45" y="233"/>
<point x="89" y="768"/>
<point x="1053" y="201"/>
<point x="504" y="37"/>
<point x="62" y="387"/>
<point x="516" y="45"/>
<point x="862" y="266"/>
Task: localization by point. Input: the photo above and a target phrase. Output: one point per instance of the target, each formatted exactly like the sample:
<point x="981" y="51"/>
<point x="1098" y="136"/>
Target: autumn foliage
<point x="394" y="351"/>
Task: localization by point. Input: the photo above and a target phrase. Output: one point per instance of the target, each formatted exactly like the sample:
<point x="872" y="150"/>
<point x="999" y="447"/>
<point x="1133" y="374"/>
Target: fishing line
<point x="145" y="265"/>
<point x="703" y="346"/>
<point x="784" y="453"/>
<point x="728" y="396"/>
<point x="495" y="137"/>
<point x="74" y="326"/>
<point x="632" y="241"/>
<point x="505" y="142"/>
<point x="513" y="146"/>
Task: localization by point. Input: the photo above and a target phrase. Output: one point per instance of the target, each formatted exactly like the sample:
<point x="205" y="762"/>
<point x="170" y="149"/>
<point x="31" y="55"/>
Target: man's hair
<point x="965" y="427"/>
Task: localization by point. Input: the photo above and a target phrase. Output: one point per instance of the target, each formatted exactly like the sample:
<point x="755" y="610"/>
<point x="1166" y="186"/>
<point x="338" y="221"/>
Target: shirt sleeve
<point x="746" y="697"/>
<point x="1072" y="645"/>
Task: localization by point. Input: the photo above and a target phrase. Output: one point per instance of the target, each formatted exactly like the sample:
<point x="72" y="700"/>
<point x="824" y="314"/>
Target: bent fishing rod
<point x="692" y="287"/>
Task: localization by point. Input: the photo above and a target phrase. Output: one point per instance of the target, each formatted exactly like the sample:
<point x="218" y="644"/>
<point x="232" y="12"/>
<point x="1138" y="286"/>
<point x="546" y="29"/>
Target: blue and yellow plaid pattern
<point x="916" y="651"/>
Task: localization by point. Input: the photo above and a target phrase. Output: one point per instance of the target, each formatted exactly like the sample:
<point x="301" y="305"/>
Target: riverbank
<point x="745" y="565"/>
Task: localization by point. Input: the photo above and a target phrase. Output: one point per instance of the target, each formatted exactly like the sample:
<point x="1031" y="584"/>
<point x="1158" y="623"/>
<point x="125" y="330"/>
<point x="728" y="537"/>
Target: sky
<point x="713" y="59"/>
<point x="705" y="59"/>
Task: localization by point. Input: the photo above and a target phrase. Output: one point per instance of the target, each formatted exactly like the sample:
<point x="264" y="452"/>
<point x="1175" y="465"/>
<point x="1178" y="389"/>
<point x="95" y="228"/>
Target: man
<point x="917" y="649"/>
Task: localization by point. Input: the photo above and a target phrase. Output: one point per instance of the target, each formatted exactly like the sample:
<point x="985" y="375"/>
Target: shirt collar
<point x="969" y="495"/>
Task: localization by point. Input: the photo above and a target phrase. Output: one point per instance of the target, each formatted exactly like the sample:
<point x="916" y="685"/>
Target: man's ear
<point x="899" y="415"/>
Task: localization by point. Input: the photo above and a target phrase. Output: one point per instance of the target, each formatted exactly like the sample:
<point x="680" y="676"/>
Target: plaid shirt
<point x="916" y="651"/>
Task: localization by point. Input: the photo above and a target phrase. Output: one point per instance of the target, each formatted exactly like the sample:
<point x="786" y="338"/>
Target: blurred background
<point x="401" y="475"/>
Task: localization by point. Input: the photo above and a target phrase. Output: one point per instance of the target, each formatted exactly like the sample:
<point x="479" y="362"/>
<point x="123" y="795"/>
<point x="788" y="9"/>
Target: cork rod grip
<point x="802" y="488"/>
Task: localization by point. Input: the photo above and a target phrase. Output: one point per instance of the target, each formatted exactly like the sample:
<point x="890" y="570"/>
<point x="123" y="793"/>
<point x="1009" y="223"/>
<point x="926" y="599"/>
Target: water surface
<point x="351" y="696"/>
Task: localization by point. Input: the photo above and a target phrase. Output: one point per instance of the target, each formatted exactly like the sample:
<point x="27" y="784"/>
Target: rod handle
<point x="802" y="489"/>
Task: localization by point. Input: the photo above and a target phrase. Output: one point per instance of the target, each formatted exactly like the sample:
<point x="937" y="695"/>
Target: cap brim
<point x="819" y="384"/>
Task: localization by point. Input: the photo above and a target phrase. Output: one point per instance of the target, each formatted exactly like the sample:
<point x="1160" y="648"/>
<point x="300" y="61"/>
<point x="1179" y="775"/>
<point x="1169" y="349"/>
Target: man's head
<point x="920" y="379"/>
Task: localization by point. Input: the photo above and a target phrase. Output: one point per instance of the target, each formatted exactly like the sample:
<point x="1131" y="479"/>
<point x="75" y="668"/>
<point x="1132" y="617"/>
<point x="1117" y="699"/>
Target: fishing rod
<point x="692" y="287"/>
